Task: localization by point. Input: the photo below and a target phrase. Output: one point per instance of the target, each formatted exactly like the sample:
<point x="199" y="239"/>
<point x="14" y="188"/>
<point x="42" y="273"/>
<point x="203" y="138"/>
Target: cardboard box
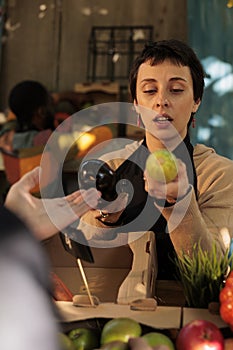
<point x="119" y="274"/>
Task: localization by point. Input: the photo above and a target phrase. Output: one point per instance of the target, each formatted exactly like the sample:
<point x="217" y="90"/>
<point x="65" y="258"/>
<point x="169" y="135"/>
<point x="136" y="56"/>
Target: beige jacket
<point x="189" y="220"/>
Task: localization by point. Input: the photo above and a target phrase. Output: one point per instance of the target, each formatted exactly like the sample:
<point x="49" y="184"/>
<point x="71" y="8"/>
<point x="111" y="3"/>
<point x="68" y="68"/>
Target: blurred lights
<point x="43" y="7"/>
<point x="230" y="4"/>
<point x="224" y="85"/>
<point x="219" y="75"/>
<point x="225" y="237"/>
<point x="215" y="69"/>
<point x="42" y="11"/>
<point x="82" y="141"/>
<point x="85" y="141"/>
<point x="216" y="121"/>
<point x="203" y="134"/>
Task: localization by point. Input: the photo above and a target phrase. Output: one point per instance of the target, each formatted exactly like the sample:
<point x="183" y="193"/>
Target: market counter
<point x="164" y="317"/>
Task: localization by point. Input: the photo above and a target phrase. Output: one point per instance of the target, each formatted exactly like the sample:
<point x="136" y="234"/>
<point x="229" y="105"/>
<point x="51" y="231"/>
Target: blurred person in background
<point x="31" y="116"/>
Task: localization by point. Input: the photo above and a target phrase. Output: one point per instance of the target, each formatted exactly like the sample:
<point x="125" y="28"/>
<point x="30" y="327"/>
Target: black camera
<point x="96" y="173"/>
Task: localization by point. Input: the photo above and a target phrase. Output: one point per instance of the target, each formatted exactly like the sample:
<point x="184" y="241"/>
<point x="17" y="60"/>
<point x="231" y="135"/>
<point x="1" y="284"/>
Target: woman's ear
<point x="196" y="105"/>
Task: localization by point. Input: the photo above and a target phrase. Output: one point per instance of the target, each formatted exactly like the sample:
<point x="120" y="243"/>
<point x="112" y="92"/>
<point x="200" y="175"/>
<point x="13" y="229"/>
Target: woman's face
<point x="166" y="90"/>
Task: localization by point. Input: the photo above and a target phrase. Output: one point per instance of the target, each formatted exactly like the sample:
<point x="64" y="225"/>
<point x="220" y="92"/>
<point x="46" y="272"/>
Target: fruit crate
<point x="186" y="315"/>
<point x="110" y="278"/>
<point x="97" y="325"/>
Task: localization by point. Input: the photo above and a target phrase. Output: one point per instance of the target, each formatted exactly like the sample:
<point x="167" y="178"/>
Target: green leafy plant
<point x="202" y="275"/>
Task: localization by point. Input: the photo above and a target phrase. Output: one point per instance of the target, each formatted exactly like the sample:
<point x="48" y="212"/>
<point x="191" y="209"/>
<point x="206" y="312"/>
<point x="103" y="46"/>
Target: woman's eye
<point x="176" y="90"/>
<point x="149" y="91"/>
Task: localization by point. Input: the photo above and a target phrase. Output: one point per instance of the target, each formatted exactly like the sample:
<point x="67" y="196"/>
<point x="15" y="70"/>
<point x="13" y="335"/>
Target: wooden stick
<point x="85" y="281"/>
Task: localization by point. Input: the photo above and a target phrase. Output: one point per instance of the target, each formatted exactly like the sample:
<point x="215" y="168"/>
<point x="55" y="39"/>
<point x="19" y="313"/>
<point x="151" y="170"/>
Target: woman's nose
<point x="162" y="101"/>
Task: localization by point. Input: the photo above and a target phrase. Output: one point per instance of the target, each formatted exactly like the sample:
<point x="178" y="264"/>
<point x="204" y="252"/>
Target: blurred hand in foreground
<point x="140" y="343"/>
<point x="45" y="217"/>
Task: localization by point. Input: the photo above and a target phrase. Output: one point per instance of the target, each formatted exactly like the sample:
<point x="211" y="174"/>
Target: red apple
<point x="200" y="335"/>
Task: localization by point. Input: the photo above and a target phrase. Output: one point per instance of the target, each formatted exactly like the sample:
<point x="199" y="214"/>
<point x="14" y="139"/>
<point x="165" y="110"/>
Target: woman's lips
<point x="163" y="120"/>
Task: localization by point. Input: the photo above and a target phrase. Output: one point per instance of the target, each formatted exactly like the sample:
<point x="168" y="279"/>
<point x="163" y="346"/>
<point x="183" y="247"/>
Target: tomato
<point x="226" y="294"/>
<point x="229" y="276"/>
<point x="226" y="312"/>
<point x="229" y="281"/>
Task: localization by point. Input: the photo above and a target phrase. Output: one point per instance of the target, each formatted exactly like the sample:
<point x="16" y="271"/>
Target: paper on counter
<point x="190" y="314"/>
<point x="163" y="317"/>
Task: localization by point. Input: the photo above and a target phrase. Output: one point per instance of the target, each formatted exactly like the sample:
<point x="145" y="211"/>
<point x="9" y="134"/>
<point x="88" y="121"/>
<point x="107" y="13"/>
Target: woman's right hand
<point x="171" y="191"/>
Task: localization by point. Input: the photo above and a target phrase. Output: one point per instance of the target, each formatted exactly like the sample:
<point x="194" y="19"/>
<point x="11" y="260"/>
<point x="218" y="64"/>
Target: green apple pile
<point x="120" y="333"/>
<point x="161" y="165"/>
<point x="124" y="333"/>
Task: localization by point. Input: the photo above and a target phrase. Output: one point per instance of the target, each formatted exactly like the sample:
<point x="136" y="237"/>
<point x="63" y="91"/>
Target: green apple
<point x="65" y="342"/>
<point x="115" y="345"/>
<point x="120" y="328"/>
<point x="84" y="339"/>
<point x="155" y="338"/>
<point x="161" y="165"/>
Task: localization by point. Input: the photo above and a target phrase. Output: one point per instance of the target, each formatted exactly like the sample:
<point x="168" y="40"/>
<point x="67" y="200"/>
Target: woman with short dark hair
<point x="167" y="82"/>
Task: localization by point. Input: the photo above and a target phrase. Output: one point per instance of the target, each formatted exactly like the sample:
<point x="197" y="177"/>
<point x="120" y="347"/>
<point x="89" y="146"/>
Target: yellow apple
<point x="120" y="328"/>
<point x="161" y="165"/>
<point x="155" y="339"/>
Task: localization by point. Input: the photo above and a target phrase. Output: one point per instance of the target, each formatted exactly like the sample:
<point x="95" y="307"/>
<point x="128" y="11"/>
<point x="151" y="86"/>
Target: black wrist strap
<point x="163" y="203"/>
<point x="110" y="224"/>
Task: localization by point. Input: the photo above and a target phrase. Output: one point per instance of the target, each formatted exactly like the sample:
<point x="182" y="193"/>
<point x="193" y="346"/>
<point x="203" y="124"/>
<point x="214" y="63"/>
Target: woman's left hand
<point x="168" y="191"/>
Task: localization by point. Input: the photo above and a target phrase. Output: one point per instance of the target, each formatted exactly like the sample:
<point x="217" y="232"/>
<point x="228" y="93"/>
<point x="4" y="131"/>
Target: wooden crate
<point x="119" y="274"/>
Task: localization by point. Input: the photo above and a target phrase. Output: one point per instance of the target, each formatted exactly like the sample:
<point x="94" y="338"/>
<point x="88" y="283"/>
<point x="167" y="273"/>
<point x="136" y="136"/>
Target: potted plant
<point x="202" y="275"/>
